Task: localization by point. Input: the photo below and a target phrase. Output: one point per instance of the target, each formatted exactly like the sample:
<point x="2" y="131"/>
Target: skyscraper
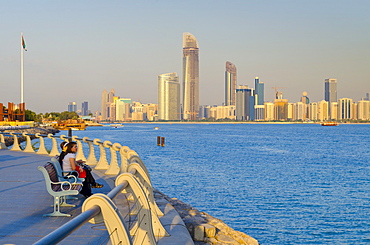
<point x="106" y="102"/>
<point x="168" y="97"/>
<point x="85" y="108"/>
<point x="330" y="92"/>
<point x="230" y="84"/>
<point x="260" y="91"/>
<point x="72" y="106"/>
<point x="190" y="77"/>
<point x="244" y="104"/>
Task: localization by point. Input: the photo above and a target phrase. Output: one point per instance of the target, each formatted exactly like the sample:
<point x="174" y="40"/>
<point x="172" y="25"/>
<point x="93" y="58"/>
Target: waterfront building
<point x="323" y="110"/>
<point x="269" y="111"/>
<point x="223" y="112"/>
<point x="345" y="109"/>
<point x="281" y="109"/>
<point x="299" y="111"/>
<point x="230" y="84"/>
<point x="106" y="103"/>
<point x="137" y="111"/>
<point x="122" y="109"/>
<point x="291" y="108"/>
<point x="244" y="103"/>
<point x="72" y="107"/>
<point x="259" y="112"/>
<point x="259" y="91"/>
<point x="363" y="110"/>
<point x="168" y="97"/>
<point x="331" y="93"/>
<point x="204" y="111"/>
<point x="150" y="112"/>
<point x="354" y="110"/>
<point x="190" y="77"/>
<point x="367" y="96"/>
<point x="85" y="108"/>
<point x="333" y="108"/>
<point x="313" y="111"/>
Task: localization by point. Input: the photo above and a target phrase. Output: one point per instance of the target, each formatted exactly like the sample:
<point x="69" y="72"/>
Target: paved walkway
<point x="24" y="200"/>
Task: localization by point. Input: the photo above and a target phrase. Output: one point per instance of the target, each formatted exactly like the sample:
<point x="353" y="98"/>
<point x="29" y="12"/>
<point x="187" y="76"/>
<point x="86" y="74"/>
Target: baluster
<point x="54" y="148"/>
<point x="91" y="159"/>
<point x="124" y="160"/>
<point x="80" y="151"/>
<point x="42" y="149"/>
<point x="2" y="142"/>
<point x="28" y="147"/>
<point x="113" y="166"/>
<point x="102" y="163"/>
<point x="15" y="143"/>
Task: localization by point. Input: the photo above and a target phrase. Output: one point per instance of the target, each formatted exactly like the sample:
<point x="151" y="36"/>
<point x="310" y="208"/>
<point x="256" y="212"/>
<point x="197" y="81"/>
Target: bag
<point x="81" y="174"/>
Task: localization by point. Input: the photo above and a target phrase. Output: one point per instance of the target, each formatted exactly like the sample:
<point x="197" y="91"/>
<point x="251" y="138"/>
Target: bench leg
<point x="64" y="203"/>
<point x="57" y="208"/>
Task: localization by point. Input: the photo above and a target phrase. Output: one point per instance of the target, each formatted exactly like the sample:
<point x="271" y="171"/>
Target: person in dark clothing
<point x="68" y="162"/>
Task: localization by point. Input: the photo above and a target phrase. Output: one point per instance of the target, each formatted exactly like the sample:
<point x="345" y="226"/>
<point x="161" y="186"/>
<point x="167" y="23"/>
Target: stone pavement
<point x="24" y="199"/>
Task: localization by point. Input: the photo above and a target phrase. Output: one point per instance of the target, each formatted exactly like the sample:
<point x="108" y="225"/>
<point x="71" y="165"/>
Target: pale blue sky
<point x="76" y="49"/>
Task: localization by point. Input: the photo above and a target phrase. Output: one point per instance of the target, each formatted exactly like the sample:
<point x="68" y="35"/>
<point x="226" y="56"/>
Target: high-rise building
<point x="363" y="110"/>
<point x="244" y="104"/>
<point x="168" y="97"/>
<point x="230" y="84"/>
<point x="85" y="108"/>
<point x="330" y="93"/>
<point x="345" y="109"/>
<point x="122" y="109"/>
<point x="72" y="106"/>
<point x="106" y="104"/>
<point x="323" y="111"/>
<point x="269" y="111"/>
<point x="260" y="91"/>
<point x="190" y="77"/>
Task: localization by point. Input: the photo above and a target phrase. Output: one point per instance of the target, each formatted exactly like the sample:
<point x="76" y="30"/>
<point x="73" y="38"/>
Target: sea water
<point x="279" y="183"/>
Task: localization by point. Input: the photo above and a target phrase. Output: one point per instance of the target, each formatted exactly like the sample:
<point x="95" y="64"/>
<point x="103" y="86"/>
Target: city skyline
<point x="75" y="49"/>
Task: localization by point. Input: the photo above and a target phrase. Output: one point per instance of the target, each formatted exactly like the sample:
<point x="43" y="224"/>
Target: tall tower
<point x="85" y="108"/>
<point x="330" y="92"/>
<point x="106" y="101"/>
<point x="190" y="73"/>
<point x="168" y="97"/>
<point x="230" y="84"/>
<point x="260" y="91"/>
<point x="245" y="103"/>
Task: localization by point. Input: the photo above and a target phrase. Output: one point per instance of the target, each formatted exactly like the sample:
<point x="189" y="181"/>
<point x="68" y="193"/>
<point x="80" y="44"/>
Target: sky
<point x="76" y="49"/>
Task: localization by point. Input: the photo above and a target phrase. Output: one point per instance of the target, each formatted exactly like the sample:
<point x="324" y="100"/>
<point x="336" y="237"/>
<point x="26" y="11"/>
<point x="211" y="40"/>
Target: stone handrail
<point x="132" y="177"/>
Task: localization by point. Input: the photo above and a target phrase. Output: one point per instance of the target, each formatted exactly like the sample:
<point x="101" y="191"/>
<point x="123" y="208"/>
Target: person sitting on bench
<point x="67" y="159"/>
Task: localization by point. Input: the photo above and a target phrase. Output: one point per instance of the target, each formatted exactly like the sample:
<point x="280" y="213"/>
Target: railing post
<point x="54" y="148"/>
<point x="80" y="151"/>
<point x="102" y="163"/>
<point x="15" y="143"/>
<point x="42" y="149"/>
<point x="113" y="166"/>
<point x="124" y="160"/>
<point x="112" y="218"/>
<point x="135" y="158"/>
<point x="2" y="142"/>
<point x="144" y="230"/>
<point x="91" y="159"/>
<point x="28" y="147"/>
<point x="136" y="169"/>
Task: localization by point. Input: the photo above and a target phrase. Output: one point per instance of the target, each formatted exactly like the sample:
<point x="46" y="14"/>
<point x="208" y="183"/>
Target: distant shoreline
<point x="224" y="123"/>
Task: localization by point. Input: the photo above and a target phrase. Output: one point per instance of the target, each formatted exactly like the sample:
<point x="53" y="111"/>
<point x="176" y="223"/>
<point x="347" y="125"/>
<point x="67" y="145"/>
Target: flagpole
<point x="22" y="79"/>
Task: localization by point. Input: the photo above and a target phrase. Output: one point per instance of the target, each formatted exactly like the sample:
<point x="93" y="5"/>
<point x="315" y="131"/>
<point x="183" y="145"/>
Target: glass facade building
<point x="190" y="77"/>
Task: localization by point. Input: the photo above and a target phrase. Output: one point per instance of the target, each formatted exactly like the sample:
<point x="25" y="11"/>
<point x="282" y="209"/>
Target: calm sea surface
<point x="281" y="184"/>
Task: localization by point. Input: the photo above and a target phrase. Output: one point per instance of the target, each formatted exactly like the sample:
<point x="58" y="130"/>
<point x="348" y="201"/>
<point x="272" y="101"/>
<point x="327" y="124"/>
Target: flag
<point x="24" y="44"/>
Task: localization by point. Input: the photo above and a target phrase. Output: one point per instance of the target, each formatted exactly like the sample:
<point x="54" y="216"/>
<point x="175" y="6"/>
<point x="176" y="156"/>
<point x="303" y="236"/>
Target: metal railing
<point x="132" y="179"/>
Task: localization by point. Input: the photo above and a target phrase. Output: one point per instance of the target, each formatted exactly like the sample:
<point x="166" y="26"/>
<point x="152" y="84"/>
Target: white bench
<point x="58" y="189"/>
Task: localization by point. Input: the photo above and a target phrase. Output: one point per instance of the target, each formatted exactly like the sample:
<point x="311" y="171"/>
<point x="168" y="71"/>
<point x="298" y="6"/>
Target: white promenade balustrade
<point x="132" y="179"/>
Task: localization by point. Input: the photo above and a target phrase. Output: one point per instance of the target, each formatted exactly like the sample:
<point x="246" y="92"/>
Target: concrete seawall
<point x="203" y="228"/>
